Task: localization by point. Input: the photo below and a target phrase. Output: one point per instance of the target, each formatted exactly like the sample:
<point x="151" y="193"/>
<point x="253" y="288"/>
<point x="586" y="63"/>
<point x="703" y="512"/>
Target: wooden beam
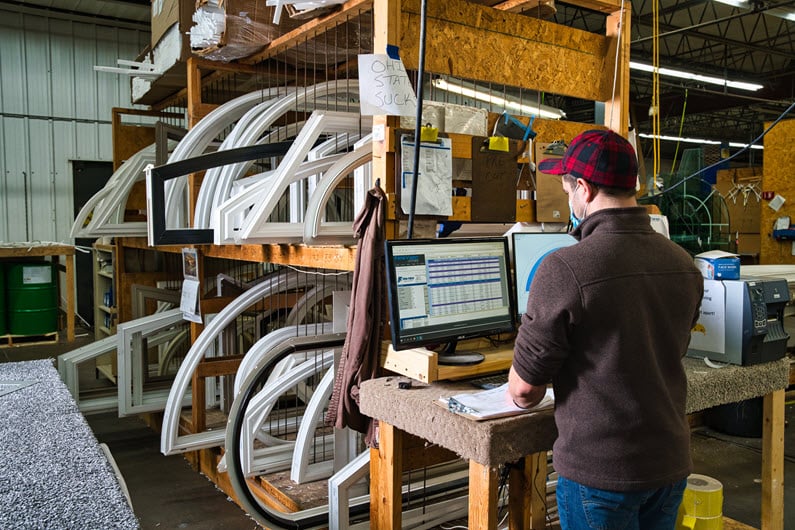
<point x="482" y="496"/>
<point x="543" y="8"/>
<point x="773" y="461"/>
<point x="312" y="28"/>
<point x="386" y="468"/>
<point x="617" y="60"/>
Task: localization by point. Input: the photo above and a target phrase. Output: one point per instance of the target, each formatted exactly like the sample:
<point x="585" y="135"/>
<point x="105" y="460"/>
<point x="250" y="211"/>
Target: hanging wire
<point x="681" y="128"/>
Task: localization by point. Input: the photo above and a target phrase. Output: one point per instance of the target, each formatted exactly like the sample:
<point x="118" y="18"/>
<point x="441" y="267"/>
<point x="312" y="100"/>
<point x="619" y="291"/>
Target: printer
<point x="741" y="321"/>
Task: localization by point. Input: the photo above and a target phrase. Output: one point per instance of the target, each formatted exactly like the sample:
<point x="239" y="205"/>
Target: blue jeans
<point x="581" y="507"/>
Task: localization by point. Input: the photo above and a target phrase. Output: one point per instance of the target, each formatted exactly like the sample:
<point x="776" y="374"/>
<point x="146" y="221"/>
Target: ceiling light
<point x="670" y="72"/>
<point x="697" y="141"/>
<point x="543" y="111"/>
<point x="779" y="12"/>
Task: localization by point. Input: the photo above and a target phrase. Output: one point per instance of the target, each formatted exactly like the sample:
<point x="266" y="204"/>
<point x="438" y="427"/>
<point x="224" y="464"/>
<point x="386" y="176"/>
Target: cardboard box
<point x="718" y="265"/>
<point x="552" y="203"/>
<point x="166" y="13"/>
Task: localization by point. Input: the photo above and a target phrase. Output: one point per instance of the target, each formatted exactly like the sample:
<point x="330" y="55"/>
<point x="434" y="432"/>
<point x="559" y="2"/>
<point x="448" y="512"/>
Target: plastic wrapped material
<point x="225" y="30"/>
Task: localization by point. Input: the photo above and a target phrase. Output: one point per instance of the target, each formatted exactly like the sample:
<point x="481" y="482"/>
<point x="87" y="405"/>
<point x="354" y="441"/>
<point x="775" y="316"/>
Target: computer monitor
<point x="529" y="249"/>
<point x="445" y="290"/>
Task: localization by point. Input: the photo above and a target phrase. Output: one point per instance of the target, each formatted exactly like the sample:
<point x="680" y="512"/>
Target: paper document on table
<point x="490" y="404"/>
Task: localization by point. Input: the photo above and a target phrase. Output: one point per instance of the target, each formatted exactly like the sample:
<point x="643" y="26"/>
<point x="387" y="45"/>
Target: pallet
<point x="11" y="341"/>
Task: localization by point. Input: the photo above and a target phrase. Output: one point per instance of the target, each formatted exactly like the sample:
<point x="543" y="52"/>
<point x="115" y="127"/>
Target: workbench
<point x="19" y="251"/>
<point x="527" y="438"/>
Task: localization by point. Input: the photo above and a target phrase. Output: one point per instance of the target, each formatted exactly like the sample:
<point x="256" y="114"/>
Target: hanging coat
<point x="362" y="347"/>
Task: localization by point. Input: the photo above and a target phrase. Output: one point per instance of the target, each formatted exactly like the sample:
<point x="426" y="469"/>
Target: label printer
<point x="742" y="321"/>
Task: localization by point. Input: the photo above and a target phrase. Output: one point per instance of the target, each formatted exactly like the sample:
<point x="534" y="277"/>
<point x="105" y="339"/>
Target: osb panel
<point x="128" y="140"/>
<point x="476" y="42"/>
<point x="552" y="130"/>
<point x="777" y="177"/>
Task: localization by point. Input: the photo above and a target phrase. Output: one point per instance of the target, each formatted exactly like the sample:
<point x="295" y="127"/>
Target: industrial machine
<point x="742" y="321"/>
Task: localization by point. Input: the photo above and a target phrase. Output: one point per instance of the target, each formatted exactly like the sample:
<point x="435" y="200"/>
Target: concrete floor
<point x="167" y="494"/>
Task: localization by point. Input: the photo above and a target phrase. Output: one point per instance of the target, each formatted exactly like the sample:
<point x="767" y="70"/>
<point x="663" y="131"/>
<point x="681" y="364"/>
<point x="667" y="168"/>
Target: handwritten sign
<point x="384" y="87"/>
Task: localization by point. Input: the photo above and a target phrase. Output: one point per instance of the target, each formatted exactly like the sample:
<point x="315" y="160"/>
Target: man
<point x="608" y="321"/>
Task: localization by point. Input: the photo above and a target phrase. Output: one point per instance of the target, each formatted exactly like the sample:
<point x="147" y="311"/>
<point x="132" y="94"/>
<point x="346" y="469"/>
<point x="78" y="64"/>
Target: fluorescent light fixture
<point x="542" y="111"/>
<point x="696" y="141"/>
<point x="779" y="12"/>
<point x="670" y="72"/>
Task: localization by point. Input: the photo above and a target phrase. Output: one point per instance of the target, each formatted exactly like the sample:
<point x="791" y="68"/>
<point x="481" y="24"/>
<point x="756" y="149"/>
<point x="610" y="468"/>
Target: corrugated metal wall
<point x="53" y="109"/>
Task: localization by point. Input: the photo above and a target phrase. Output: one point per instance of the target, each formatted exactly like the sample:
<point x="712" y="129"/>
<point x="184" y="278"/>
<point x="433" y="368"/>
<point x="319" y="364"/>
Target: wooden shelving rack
<point x="463" y="40"/>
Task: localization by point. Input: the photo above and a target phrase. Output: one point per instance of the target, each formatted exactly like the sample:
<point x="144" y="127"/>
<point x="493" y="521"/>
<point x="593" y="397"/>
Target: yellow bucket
<point x="702" y="504"/>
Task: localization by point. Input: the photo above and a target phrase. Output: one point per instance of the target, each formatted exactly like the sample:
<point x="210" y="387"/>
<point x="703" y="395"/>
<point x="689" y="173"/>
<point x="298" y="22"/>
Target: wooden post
<point x="482" y="496"/>
<point x="617" y="107"/>
<point x="527" y="491"/>
<point x="70" y="296"/>
<point x="773" y="461"/>
<point x="386" y="468"/>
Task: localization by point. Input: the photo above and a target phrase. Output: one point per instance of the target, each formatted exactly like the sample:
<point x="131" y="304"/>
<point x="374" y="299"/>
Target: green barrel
<point x="32" y="298"/>
<point x="3" y="327"/>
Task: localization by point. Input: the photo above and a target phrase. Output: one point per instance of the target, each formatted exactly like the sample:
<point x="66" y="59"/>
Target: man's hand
<point x="522" y="394"/>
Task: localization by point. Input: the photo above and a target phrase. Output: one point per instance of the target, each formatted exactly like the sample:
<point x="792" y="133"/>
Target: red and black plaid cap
<point x="601" y="157"/>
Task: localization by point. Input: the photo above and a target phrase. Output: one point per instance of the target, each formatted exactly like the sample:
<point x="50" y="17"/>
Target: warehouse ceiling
<point x="752" y="41"/>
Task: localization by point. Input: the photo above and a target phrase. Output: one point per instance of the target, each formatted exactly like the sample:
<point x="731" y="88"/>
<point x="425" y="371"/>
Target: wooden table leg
<point x="386" y="469"/>
<point x="527" y="493"/>
<point x="482" y="496"/>
<point x="773" y="462"/>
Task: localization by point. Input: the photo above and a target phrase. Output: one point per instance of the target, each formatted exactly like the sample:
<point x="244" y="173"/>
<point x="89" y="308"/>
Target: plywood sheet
<point x="476" y="42"/>
<point x="777" y="177"/>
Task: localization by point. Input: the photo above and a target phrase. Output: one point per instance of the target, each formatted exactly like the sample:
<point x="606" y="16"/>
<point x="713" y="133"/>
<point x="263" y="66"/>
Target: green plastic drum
<point x="32" y="298"/>
<point x="3" y="327"/>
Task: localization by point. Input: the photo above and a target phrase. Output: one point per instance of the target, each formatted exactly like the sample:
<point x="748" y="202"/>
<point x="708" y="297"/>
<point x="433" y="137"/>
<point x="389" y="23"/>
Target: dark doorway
<point x="87" y="179"/>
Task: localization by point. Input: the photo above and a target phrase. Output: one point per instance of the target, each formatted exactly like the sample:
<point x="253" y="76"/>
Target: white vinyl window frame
<point x="171" y="442"/>
<point x="278" y="456"/>
<point x="159" y="330"/>
<point x="256" y="228"/>
<point x="227" y="218"/>
<point x="316" y="230"/>
<point x="201" y="136"/>
<point x="106" y="207"/>
<point x="69" y="370"/>
<point x="250" y="130"/>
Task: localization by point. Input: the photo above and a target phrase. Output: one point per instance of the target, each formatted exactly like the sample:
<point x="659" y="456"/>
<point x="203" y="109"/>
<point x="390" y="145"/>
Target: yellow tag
<point x="498" y="143"/>
<point x="429" y="134"/>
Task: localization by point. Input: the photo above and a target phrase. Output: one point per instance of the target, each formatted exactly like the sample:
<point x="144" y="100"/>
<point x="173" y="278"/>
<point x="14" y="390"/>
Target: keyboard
<point x="489" y="381"/>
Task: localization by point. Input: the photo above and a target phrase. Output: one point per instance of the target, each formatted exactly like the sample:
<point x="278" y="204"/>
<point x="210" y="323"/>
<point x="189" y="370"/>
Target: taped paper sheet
<point x="435" y="176"/>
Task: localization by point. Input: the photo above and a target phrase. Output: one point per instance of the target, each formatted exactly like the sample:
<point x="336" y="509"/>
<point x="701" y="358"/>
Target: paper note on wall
<point x="435" y="172"/>
<point x="384" y="87"/>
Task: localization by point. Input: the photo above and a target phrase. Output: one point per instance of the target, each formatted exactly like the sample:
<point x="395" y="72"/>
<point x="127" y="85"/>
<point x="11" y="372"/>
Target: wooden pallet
<point x="11" y="341"/>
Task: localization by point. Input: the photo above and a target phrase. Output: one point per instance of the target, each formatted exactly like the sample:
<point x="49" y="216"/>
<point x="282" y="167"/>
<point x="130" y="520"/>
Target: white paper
<point x="494" y="403"/>
<point x="341" y="306"/>
<point x="709" y="333"/>
<point x="384" y="87"/>
<point x="435" y="177"/>
<point x="189" y="301"/>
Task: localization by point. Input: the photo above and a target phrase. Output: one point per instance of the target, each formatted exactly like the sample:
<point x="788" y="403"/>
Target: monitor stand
<point x="450" y="357"/>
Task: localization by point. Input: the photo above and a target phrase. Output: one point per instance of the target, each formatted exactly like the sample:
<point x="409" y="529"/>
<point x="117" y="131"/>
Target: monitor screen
<point x="445" y="290"/>
<point x="529" y="249"/>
